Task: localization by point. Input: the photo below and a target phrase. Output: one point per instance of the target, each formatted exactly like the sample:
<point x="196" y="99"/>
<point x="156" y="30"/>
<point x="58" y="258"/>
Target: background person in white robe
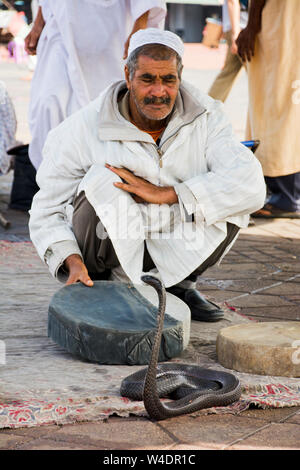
<point x="155" y="161"/>
<point x="80" y="46"/>
<point x="8" y="128"/>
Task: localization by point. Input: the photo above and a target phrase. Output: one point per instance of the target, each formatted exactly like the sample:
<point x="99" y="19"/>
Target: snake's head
<point x="153" y="281"/>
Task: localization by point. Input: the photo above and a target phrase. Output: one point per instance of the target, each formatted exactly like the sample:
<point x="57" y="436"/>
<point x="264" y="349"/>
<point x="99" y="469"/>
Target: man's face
<point x="153" y="89"/>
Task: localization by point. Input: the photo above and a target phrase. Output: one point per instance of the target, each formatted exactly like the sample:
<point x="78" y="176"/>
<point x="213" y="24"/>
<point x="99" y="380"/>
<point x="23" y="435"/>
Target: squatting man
<point x="155" y="163"/>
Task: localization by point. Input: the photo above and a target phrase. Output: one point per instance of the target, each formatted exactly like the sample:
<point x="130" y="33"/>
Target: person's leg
<point x="100" y="258"/>
<point x="223" y="83"/>
<point x="201" y="308"/>
<point x="285" y="192"/>
<point x="284" y="201"/>
<point x="96" y="247"/>
<point x="232" y="231"/>
<point x="97" y="250"/>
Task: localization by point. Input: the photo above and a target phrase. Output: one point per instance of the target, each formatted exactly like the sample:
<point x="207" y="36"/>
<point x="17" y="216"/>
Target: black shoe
<point x="201" y="309"/>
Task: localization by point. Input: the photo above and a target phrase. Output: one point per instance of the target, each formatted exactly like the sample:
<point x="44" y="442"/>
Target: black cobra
<point x="191" y="387"/>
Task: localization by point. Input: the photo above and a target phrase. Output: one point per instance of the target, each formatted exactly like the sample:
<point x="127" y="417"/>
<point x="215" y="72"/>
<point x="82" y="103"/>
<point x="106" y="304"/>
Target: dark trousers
<point x="98" y="252"/>
<point x="285" y="191"/>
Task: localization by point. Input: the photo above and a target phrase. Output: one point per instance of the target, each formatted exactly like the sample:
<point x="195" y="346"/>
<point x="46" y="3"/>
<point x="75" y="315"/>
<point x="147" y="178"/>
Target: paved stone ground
<point x="260" y="278"/>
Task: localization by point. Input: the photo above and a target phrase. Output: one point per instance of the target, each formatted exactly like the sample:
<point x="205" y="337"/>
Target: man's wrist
<point x="234" y="34"/>
<point x="254" y="26"/>
<point x="169" y="196"/>
<point x="71" y="260"/>
<point x="39" y="22"/>
<point x="255" y="14"/>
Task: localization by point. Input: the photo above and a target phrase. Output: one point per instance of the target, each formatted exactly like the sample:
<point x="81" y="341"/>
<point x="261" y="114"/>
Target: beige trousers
<point x="222" y="85"/>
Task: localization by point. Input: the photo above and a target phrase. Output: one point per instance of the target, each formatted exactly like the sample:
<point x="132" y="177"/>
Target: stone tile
<point x="214" y="283"/>
<point x="287" y="230"/>
<point x="274" y="436"/>
<point x="285" y="289"/>
<point x="33" y="432"/>
<point x="18" y="230"/>
<point x="295" y="418"/>
<point x="295" y="299"/>
<point x="290" y="267"/>
<point x="253" y="286"/>
<point x="271" y="313"/>
<point x="196" y="447"/>
<point x="8" y="441"/>
<point x="260" y="300"/>
<point x="210" y="430"/>
<point x="220" y="296"/>
<point x="115" y="433"/>
<point x="48" y="444"/>
<point x="238" y="271"/>
<point x="273" y="414"/>
<point x="283" y="276"/>
<point x="260" y="232"/>
<point x="247" y="240"/>
<point x="206" y="285"/>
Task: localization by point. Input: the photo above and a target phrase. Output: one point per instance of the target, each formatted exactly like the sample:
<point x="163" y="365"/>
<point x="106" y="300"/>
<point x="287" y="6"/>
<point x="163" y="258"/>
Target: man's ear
<point x="126" y="72"/>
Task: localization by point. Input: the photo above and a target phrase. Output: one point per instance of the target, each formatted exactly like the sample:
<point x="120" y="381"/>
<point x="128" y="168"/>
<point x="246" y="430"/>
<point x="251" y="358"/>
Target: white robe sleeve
<point x="157" y="11"/>
<point x="46" y="8"/>
<point x="234" y="184"/>
<point x="58" y="178"/>
<point x="57" y="253"/>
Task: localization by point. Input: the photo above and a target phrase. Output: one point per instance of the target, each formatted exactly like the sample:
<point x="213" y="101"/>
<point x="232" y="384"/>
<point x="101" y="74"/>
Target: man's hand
<point x="246" y="43"/>
<point x="234" y="48"/>
<point x="246" y="39"/>
<point x="32" y="39"/>
<point x="77" y="271"/>
<point x="142" y="190"/>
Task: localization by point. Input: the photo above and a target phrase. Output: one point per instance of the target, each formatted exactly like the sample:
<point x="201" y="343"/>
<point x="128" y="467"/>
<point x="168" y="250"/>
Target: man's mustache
<point x="156" y="100"/>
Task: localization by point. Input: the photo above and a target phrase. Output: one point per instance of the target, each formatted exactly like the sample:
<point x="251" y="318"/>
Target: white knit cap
<point x="156" y="36"/>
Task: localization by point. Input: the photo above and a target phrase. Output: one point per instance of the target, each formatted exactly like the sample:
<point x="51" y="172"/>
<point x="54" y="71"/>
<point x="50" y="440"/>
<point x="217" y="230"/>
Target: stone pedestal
<point x="115" y="323"/>
<point x="271" y="348"/>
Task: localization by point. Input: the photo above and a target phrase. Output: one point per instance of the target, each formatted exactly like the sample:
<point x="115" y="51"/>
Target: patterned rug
<point x="43" y="384"/>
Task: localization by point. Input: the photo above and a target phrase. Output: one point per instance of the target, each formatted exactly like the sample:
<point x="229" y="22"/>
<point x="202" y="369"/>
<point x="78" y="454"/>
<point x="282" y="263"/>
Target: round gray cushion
<point x="111" y="323"/>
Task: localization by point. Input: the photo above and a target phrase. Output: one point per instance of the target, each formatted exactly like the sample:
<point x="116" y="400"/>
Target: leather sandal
<point x="272" y="212"/>
<point x="201" y="308"/>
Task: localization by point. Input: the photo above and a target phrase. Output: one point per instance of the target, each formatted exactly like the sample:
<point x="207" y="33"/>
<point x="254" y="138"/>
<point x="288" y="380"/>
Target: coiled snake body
<point x="191" y="387"/>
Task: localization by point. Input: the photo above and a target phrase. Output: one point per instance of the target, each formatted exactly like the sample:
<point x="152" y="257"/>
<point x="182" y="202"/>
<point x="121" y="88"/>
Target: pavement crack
<point x="169" y="433"/>
<point x="245" y="436"/>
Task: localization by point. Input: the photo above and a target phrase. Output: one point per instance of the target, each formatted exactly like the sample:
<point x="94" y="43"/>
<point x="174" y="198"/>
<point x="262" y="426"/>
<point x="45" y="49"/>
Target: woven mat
<point x="43" y="384"/>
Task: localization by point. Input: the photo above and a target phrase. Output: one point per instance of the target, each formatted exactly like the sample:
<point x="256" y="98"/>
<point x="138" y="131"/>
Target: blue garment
<point x="285" y="191"/>
<point x="244" y="3"/>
